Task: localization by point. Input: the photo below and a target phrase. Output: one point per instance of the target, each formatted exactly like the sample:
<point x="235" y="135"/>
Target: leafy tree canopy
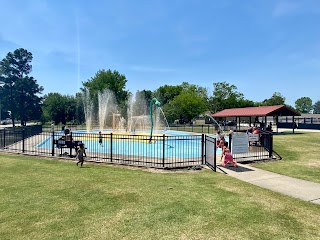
<point x="188" y="105"/>
<point x="226" y="96"/>
<point x="276" y="99"/>
<point x="59" y="108"/>
<point x="21" y="92"/>
<point x="107" y="79"/>
<point x="316" y="107"/>
<point x="167" y="93"/>
<point x="303" y="104"/>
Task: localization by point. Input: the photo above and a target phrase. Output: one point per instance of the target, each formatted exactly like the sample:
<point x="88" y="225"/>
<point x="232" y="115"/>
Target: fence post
<point x="208" y="129"/>
<point x="202" y="128"/>
<point x="111" y="147"/>
<point x="215" y="155"/>
<point x="163" y="150"/>
<point x="52" y="152"/>
<point x="4" y="138"/>
<point x="230" y="141"/>
<point x="202" y="147"/>
<point x="70" y="144"/>
<point x="271" y="145"/>
<point x="23" y="137"/>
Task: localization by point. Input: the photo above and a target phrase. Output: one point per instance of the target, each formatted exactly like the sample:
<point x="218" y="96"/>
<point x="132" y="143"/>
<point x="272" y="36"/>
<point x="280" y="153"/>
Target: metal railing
<point x="162" y="151"/>
<point x="258" y="150"/>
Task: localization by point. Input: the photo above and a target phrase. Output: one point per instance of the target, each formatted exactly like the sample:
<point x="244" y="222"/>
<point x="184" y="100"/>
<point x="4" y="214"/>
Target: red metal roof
<point x="279" y="110"/>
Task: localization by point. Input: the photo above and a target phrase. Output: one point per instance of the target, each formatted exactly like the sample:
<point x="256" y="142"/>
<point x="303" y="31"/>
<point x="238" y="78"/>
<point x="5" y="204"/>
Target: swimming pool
<point x="175" y="144"/>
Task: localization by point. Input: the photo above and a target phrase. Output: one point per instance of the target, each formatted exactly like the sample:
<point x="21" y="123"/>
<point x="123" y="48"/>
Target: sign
<point x="240" y="143"/>
<point x="253" y="137"/>
<point x="210" y="150"/>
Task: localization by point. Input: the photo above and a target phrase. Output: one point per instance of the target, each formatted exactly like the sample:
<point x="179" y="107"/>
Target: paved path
<point x="304" y="190"/>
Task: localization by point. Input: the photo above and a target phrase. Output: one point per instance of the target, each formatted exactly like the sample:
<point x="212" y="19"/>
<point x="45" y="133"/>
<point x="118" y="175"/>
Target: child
<point x="218" y="138"/>
<point x="100" y="138"/>
<point x="222" y="141"/>
<point x="81" y="153"/>
<point x="228" y="158"/>
<point x="222" y="145"/>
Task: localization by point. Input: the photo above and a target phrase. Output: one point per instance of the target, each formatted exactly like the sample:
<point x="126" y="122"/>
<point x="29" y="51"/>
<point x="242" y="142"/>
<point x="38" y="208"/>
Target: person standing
<point x="218" y="138"/>
<point x="81" y="153"/>
<point x="100" y="138"/>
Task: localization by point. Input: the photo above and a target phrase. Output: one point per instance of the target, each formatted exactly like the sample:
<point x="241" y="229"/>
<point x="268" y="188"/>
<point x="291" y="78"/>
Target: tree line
<point x="21" y="96"/>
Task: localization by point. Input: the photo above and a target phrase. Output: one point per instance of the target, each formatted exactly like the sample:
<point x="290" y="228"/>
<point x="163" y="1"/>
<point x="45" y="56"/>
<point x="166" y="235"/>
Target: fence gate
<point x="259" y="148"/>
<point x="211" y="152"/>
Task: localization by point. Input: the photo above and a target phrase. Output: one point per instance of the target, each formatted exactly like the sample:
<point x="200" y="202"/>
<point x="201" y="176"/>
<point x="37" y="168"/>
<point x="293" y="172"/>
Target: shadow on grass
<point x="287" y="133"/>
<point x="236" y="169"/>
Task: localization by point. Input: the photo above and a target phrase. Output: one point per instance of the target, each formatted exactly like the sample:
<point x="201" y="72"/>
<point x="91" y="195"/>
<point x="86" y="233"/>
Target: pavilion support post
<point x="265" y="123"/>
<point x="293" y="125"/>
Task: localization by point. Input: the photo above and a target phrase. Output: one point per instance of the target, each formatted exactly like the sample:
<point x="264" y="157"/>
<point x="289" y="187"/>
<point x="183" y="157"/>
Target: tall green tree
<point x="3" y="108"/>
<point x="316" y="107"/>
<point x="167" y="93"/>
<point x="200" y="91"/>
<point x="112" y="80"/>
<point x="303" y="104"/>
<point x="145" y="94"/>
<point x="59" y="108"/>
<point x="187" y="105"/>
<point x="276" y="99"/>
<point x="226" y="96"/>
<point x="21" y="92"/>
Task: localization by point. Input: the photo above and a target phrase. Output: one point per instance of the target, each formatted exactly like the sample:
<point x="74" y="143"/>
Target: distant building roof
<point x="278" y="110"/>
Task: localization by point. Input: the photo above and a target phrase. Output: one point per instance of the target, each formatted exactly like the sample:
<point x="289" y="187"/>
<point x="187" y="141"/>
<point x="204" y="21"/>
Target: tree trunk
<point x="22" y="109"/>
<point x="12" y="111"/>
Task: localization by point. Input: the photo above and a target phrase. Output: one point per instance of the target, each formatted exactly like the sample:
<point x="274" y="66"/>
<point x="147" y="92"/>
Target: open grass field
<point x="301" y="156"/>
<point x="51" y="199"/>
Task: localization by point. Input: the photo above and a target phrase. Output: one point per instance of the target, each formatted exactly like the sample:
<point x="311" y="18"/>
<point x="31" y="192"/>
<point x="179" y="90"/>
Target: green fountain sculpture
<point x="157" y="103"/>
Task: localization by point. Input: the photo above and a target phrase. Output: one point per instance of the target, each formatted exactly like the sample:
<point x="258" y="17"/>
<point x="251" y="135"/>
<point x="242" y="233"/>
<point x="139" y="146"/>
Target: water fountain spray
<point x="157" y="103"/>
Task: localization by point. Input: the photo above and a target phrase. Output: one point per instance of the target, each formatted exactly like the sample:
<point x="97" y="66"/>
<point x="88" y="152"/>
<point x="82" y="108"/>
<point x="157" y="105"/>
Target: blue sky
<point x="260" y="46"/>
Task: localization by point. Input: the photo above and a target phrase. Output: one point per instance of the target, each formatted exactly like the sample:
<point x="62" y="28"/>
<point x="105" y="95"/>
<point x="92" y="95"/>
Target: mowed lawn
<point x="301" y="156"/>
<point x="52" y="199"/>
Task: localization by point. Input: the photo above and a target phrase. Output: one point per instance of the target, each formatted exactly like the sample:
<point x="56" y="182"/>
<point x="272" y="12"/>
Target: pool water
<point x="182" y="144"/>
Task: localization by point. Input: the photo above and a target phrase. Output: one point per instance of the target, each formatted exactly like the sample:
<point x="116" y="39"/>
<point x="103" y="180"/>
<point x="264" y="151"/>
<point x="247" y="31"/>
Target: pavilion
<point x="264" y="111"/>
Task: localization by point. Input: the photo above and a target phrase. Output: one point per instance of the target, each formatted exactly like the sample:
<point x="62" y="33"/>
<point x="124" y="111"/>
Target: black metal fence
<point x="10" y="136"/>
<point x="162" y="151"/>
<point x="206" y="129"/>
<point x="257" y="150"/>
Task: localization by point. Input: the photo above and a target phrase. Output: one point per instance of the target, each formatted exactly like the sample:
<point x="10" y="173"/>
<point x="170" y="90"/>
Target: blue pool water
<point x="182" y="144"/>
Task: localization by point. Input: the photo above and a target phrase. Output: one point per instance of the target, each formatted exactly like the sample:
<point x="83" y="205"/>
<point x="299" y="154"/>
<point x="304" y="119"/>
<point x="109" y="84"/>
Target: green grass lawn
<point x="301" y="156"/>
<point x="51" y="199"/>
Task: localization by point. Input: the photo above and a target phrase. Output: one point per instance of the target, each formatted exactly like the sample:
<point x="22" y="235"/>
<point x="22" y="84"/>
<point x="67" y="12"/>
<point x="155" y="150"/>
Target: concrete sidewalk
<point x="304" y="190"/>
